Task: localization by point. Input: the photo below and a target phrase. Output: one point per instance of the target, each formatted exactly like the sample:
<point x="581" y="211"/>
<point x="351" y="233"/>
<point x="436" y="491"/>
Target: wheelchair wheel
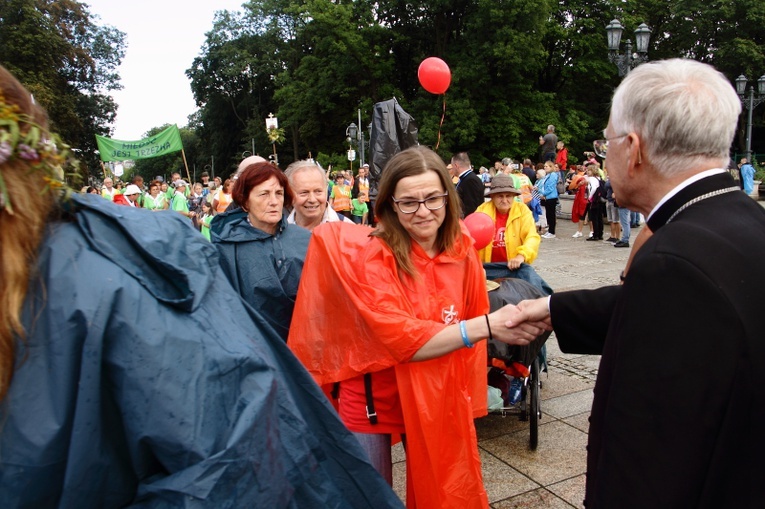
<point x="534" y="411"/>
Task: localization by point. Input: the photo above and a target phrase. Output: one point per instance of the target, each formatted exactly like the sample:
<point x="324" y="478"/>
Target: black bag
<point x="512" y="291"/>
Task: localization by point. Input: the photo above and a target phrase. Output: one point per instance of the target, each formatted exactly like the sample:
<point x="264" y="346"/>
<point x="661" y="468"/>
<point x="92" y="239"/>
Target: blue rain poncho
<point x="263" y="268"/>
<point x="146" y="381"/>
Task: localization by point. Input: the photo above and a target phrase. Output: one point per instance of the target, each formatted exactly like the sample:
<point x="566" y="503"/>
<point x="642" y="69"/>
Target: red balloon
<point x="434" y="75"/>
<point x="481" y="228"/>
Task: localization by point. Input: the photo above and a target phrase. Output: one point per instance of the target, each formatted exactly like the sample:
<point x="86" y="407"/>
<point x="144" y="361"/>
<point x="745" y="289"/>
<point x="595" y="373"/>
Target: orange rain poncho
<point x="384" y="322"/>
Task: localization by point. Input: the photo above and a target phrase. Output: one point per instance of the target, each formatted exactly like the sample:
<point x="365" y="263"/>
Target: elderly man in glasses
<point x="680" y="396"/>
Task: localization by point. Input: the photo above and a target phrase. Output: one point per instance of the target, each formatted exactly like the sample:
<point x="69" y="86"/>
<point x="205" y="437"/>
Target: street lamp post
<point x="351" y="132"/>
<point x="360" y="140"/>
<point x="627" y="61"/>
<point x="750" y="103"/>
<point x="354" y="135"/>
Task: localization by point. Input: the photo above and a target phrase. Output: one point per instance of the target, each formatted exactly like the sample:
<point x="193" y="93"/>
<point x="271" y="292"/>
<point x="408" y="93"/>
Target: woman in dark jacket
<point x="261" y="254"/>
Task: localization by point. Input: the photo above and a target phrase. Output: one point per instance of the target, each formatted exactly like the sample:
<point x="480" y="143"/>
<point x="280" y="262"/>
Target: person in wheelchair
<point x="515" y="239"/>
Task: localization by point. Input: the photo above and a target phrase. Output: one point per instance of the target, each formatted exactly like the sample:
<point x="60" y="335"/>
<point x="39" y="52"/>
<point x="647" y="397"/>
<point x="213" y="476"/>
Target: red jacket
<point x="562" y="158"/>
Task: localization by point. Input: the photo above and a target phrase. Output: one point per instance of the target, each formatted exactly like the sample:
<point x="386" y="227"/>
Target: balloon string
<point x="438" y="142"/>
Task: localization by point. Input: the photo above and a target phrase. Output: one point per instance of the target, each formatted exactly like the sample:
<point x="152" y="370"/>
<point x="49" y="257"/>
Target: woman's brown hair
<point x="22" y="230"/>
<point x="254" y="175"/>
<point x="409" y="163"/>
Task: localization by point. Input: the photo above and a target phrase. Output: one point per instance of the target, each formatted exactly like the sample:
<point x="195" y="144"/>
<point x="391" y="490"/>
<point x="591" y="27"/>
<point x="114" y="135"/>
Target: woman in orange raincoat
<point x="402" y="329"/>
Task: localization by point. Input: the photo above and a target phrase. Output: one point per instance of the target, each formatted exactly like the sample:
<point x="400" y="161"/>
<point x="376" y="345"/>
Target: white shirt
<point x="592" y="185"/>
<point x="330" y="216"/>
<point x="682" y="185"/>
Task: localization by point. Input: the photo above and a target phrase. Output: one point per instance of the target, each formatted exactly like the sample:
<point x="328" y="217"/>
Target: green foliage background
<point x="517" y="65"/>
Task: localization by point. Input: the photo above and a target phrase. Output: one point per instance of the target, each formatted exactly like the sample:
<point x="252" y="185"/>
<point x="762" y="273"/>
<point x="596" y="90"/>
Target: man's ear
<point x="635" y="156"/>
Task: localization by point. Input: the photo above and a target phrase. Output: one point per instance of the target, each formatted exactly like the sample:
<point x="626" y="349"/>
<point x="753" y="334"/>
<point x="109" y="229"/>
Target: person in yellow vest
<point x="340" y="199"/>
<point x="515" y="239"/>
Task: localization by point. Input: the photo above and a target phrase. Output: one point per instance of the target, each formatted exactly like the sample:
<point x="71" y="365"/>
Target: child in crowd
<point x="539" y="216"/>
<point x="359" y="209"/>
<point x="195" y="200"/>
<point x="206" y="218"/>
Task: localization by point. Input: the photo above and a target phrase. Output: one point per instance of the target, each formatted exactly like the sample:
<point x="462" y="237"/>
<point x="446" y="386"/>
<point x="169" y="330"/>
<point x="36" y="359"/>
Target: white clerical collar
<point x="682" y="185"/>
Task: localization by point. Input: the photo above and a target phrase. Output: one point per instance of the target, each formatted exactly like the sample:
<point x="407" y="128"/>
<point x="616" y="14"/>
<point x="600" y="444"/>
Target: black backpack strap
<point x="371" y="414"/>
<point x="335" y="393"/>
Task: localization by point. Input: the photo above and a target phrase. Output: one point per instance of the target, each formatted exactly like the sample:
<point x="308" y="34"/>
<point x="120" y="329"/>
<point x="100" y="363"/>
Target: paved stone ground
<point x="552" y="476"/>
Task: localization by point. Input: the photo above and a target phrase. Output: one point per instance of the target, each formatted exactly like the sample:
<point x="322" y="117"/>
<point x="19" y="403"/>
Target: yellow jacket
<point x="521" y="235"/>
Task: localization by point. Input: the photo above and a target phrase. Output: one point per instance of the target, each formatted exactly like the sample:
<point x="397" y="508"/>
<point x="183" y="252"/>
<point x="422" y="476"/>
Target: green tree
<point x="233" y="84"/>
<point x="730" y="36"/>
<point x="516" y="67"/>
<point x="69" y="63"/>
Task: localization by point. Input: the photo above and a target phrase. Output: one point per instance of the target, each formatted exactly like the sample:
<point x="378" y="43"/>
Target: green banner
<point x="162" y="143"/>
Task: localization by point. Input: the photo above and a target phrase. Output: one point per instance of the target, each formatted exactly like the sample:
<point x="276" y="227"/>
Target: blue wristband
<point x="463" y="331"/>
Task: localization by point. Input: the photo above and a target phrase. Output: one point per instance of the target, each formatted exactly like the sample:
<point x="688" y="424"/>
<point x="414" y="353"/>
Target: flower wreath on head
<point x="43" y="150"/>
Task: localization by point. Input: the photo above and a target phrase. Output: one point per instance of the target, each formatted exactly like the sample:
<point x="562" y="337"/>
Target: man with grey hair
<point x="549" y="143"/>
<point x="680" y="397"/>
<point x="507" y="165"/>
<point x="309" y="188"/>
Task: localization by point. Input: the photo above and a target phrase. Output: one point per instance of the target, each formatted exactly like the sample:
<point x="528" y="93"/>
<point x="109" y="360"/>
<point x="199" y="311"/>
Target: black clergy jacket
<point x="678" y="416"/>
<point x="470" y="188"/>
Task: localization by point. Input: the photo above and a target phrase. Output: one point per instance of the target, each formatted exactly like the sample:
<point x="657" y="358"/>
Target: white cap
<point x="132" y="189"/>
<point x="180" y="182"/>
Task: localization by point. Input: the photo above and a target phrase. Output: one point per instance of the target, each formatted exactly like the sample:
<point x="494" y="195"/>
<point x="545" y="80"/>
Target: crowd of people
<point x="188" y="376"/>
<point x="542" y="185"/>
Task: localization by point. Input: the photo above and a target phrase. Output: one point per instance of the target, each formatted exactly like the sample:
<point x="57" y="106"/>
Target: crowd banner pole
<point x="188" y="175"/>
<point x="105" y="170"/>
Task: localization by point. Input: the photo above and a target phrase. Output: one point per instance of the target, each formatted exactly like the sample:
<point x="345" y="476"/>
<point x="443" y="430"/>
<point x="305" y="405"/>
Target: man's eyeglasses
<point x="412" y="206"/>
<point x="601" y="146"/>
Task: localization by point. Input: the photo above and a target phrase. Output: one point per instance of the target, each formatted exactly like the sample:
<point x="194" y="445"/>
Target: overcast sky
<point x="163" y="38"/>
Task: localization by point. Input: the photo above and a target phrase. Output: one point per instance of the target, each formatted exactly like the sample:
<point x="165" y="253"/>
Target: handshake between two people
<point x="522" y="323"/>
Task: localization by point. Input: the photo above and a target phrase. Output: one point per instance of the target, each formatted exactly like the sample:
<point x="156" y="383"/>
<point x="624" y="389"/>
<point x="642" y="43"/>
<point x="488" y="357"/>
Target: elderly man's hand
<point x="509" y="325"/>
<point x="536" y="311"/>
<point x="527" y="317"/>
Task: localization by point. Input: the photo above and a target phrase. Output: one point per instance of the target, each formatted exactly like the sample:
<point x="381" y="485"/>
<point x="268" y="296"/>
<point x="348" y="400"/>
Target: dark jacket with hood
<point x="264" y="268"/>
<point x="145" y="381"/>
